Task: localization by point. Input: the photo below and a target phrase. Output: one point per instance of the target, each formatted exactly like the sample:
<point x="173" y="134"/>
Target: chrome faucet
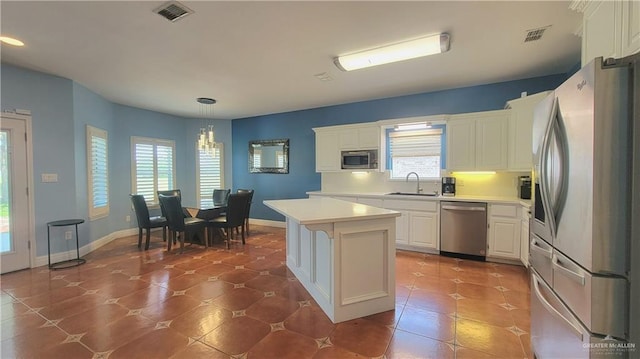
<point x="418" y="189"/>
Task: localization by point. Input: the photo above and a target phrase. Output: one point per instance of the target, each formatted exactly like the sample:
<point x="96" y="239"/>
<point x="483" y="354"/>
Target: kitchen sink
<point x="433" y="194"/>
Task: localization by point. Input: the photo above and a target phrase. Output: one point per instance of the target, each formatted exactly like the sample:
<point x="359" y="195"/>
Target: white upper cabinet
<point x="520" y="131"/>
<point x="327" y="151"/>
<point x="478" y="141"/>
<point x="610" y="28"/>
<point x="360" y="138"/>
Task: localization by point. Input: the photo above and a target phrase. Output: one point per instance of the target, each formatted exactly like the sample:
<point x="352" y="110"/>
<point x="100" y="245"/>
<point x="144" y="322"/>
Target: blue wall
<point x="297" y="127"/>
<point x="61" y="109"/>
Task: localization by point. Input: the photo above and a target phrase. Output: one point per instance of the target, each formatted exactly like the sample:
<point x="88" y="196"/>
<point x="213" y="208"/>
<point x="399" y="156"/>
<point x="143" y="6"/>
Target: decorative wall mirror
<point x="269" y="156"/>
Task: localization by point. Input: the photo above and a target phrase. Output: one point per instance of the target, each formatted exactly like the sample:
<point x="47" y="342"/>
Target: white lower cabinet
<point x="419" y="225"/>
<point x="524" y="237"/>
<point x="504" y="231"/>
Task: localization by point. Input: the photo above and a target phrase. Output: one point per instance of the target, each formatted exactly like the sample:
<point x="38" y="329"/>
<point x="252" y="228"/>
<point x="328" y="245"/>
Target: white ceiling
<point x="261" y="57"/>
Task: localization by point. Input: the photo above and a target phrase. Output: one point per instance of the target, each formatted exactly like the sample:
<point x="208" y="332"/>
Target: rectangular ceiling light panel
<point x="412" y="49"/>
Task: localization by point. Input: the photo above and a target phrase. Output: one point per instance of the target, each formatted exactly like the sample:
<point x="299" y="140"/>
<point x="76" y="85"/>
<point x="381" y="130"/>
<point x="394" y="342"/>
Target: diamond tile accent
<point x="411" y="287"/>
<point x="265" y="272"/>
<point x="497" y="275"/>
<point x="134" y="257"/>
<point x="456" y="296"/>
<point x="240" y="285"/>
<point x="239" y="267"/>
<point x="134" y="312"/>
<point x="134" y="277"/>
<point x="213" y="278"/>
<point x="73" y="338"/>
<point x="34" y="310"/>
<point x="269" y="294"/>
<point x="111" y="301"/>
<point x="239" y="356"/>
<point x="418" y="274"/>
<point x="101" y="266"/>
<point x="260" y="258"/>
<point x="206" y="302"/>
<point x="197" y="257"/>
<point x="517" y="331"/>
<point x="508" y="306"/>
<point x="150" y="261"/>
<point x="457" y="269"/>
<point x="179" y="292"/>
<point x="304" y="303"/>
<point x="324" y="342"/>
<point x="163" y="325"/>
<point x="168" y="266"/>
<point x="51" y="323"/>
<point x="115" y="271"/>
<point x="422" y="264"/>
<point x="90" y="291"/>
<point x="501" y="288"/>
<point x="277" y="326"/>
<point x="217" y="262"/>
<point x="457" y="281"/>
<point x="190" y="272"/>
<point x="292" y="279"/>
<point x="58" y="277"/>
<point x="102" y="355"/>
<point x="238" y="313"/>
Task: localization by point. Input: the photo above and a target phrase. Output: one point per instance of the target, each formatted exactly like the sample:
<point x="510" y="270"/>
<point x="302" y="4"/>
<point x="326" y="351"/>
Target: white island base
<point x="342" y="253"/>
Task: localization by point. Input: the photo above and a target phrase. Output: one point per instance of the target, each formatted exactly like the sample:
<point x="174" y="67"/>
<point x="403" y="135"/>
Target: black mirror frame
<point x="285" y="151"/>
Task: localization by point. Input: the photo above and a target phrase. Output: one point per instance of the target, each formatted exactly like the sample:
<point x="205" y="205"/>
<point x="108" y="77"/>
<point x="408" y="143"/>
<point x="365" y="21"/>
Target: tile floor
<point x="244" y="303"/>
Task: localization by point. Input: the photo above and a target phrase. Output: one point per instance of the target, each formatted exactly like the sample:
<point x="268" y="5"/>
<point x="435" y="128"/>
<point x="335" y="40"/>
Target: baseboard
<point x="266" y="222"/>
<point x="86" y="249"/>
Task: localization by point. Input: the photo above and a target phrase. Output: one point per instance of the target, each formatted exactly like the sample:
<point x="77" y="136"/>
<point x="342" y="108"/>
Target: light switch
<point x="49" y="177"/>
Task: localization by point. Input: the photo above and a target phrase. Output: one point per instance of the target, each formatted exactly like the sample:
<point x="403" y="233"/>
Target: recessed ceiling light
<point x="11" y="41"/>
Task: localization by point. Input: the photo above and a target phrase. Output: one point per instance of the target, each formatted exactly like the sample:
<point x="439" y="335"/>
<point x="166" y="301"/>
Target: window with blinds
<point x="97" y="173"/>
<point x="209" y="174"/>
<point x="415" y="151"/>
<point x="153" y="169"/>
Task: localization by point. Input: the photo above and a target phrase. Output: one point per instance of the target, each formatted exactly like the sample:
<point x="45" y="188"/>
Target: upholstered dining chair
<point x="173" y="192"/>
<point x="145" y="221"/>
<point x="234" y="218"/>
<point x="179" y="224"/>
<point x="220" y="197"/>
<point x="249" y="193"/>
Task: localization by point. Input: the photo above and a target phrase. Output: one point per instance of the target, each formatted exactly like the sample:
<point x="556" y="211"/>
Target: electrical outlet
<point x="127" y="218"/>
<point x="68" y="235"/>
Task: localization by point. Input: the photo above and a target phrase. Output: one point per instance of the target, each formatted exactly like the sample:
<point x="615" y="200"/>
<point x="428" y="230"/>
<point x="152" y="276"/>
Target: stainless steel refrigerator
<point x="585" y="236"/>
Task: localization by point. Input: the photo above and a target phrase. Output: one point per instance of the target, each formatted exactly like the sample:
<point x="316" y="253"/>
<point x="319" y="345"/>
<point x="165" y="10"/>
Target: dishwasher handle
<point x="463" y="208"/>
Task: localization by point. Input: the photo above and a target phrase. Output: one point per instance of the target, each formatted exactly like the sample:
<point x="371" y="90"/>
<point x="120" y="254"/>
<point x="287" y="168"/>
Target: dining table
<point x="207" y="213"/>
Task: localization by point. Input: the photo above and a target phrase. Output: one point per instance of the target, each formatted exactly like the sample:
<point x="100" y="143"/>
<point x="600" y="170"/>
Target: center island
<point x="343" y="253"/>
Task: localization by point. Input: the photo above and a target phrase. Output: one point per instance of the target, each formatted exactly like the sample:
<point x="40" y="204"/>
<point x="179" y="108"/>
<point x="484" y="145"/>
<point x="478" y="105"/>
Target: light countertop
<point x="326" y="210"/>
<point x="488" y="199"/>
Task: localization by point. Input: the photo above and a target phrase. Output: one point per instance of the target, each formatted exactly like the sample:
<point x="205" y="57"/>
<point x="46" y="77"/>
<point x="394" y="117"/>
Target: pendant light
<point x="206" y="137"/>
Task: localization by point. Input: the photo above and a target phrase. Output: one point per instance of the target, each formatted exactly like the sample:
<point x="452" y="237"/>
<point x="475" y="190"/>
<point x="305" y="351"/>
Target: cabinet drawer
<point x="504" y="210"/>
<point x="430" y="206"/>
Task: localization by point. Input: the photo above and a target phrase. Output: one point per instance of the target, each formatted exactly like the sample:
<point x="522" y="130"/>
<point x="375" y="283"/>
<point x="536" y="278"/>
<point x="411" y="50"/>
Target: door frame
<point x="30" y="183"/>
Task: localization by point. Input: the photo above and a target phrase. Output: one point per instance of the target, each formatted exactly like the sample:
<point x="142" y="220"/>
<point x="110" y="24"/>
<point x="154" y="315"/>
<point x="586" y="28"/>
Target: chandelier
<point x="207" y="137"/>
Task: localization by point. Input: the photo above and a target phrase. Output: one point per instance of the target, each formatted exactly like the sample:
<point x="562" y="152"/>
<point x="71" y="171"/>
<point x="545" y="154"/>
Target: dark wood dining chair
<point x="178" y="224"/>
<point x="220" y="197"/>
<point x="173" y="192"/>
<point x="249" y="193"/>
<point x="145" y="221"/>
<point x="234" y="218"/>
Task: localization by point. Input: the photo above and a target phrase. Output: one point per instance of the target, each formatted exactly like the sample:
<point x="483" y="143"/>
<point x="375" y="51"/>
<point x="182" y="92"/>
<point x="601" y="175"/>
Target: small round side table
<point x="71" y="262"/>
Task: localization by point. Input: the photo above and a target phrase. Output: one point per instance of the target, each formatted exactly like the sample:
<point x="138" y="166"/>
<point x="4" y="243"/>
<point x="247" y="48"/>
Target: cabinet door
<point x="630" y="27"/>
<point x="369" y="138"/>
<point x="423" y="229"/>
<point x="521" y="131"/>
<point x="402" y="228"/>
<point x="461" y="145"/>
<point x="601" y="30"/>
<point x="348" y="139"/>
<point x="504" y="238"/>
<point x="524" y="242"/>
<point x="327" y="152"/>
<point x="491" y="143"/>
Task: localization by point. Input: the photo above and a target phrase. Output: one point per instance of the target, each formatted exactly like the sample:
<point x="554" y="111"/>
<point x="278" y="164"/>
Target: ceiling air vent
<point x="173" y="11"/>
<point x="535" y="34"/>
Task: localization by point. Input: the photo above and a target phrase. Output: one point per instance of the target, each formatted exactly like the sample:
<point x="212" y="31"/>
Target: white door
<point x="14" y="200"/>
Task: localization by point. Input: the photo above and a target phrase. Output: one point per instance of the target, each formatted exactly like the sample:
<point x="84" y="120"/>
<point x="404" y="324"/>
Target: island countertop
<point x="326" y="210"/>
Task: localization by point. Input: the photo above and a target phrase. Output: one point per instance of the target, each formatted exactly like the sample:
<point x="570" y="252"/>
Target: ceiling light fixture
<point x="401" y="51"/>
<point x="11" y="41"/>
<point x="207" y="137"/>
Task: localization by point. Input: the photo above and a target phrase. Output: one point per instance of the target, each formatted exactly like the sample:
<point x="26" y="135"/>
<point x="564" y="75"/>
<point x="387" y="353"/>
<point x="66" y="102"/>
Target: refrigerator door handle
<point x="566" y="271"/>
<point x="563" y="145"/>
<point x="545" y="185"/>
<point x="553" y="310"/>
<point x="536" y="248"/>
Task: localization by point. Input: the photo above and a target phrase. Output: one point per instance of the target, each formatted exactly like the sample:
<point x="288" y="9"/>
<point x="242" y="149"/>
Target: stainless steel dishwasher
<point x="463" y="229"/>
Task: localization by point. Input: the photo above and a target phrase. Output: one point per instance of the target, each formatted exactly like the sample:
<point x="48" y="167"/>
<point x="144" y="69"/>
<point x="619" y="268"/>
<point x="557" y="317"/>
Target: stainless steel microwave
<point x="363" y="160"/>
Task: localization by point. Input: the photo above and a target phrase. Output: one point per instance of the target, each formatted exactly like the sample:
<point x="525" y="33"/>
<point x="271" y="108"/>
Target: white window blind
<point x="415" y="151"/>
<point x="209" y="174"/>
<point x="97" y="172"/>
<point x="153" y="167"/>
